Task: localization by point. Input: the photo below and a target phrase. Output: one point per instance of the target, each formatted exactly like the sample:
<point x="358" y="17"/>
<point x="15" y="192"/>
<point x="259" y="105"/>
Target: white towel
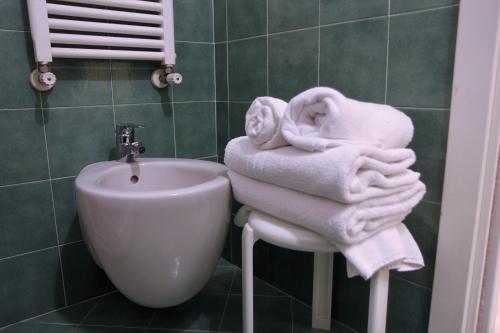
<point x="262" y="122"/>
<point x="347" y="174"/>
<point x="339" y="223"/>
<point x="321" y="117"/>
<point x="392" y="248"/>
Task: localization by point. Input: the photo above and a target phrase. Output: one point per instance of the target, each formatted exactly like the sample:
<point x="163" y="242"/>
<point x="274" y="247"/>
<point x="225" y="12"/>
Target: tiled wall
<point x="398" y="52"/>
<point x="47" y="138"/>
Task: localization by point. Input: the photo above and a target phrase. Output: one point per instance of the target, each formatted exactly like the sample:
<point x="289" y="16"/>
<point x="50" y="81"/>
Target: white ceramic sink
<point x="157" y="226"/>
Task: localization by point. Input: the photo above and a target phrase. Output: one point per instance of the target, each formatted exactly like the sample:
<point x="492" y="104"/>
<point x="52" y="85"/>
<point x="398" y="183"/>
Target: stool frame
<point x="290" y="236"/>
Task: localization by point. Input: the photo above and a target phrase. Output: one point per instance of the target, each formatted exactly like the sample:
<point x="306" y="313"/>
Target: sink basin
<point x="156" y="226"/>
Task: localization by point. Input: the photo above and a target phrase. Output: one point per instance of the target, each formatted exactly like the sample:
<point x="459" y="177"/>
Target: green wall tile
<point x="79" y="86"/>
<point x="26" y="219"/>
<point x="221" y="71"/>
<point x="353" y="59"/>
<point x="222" y="127"/>
<point x="29" y="285"/>
<point x="68" y="225"/>
<point x="77" y="137"/>
<point x="247" y="69"/>
<point x="17" y="63"/>
<point x="408" y="307"/>
<point x="292" y="14"/>
<point x="134" y="87"/>
<point x="195" y="130"/>
<point x="421" y="55"/>
<point x="429" y="143"/>
<point x="333" y="11"/>
<point x="423" y="224"/>
<point x="220" y="20"/>
<point x="82" y="277"/>
<point x="193" y="20"/>
<point x="14" y="15"/>
<point x="293" y="63"/>
<point x="398" y="6"/>
<point x="246" y="18"/>
<point x="158" y="132"/>
<point x="21" y="134"/>
<point x="196" y="64"/>
<point x="237" y="113"/>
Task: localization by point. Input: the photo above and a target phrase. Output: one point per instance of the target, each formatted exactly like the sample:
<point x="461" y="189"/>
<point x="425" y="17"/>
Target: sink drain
<point x="134" y="179"/>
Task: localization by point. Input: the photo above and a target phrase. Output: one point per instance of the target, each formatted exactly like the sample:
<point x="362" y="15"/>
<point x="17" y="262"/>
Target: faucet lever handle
<point x="127" y="126"/>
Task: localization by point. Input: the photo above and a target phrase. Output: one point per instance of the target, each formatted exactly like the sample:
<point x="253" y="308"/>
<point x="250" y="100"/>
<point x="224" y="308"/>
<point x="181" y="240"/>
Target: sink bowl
<point x="156" y="226"/>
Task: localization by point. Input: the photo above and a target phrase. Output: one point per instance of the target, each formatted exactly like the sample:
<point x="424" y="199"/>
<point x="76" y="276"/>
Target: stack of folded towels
<point x="336" y="166"/>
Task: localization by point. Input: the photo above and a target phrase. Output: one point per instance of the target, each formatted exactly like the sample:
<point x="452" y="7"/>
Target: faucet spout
<point x="126" y="146"/>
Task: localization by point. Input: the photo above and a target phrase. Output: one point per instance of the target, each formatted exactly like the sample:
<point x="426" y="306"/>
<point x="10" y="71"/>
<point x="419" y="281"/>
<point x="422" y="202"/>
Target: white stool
<point x="290" y="236"/>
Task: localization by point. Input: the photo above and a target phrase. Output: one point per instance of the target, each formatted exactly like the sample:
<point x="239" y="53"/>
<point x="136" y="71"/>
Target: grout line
<point x="421" y="108"/>
<point x="346" y="22"/>
<point x="112" y="94"/>
<point x="14" y="30"/>
<point x="90" y="310"/>
<point x="40" y="250"/>
<point x="200" y="158"/>
<point x="397" y="277"/>
<point x="173" y="123"/>
<point x="58" y="309"/>
<point x="226" y="302"/>
<point x="387" y="50"/>
<point x="215" y="78"/>
<point x="319" y="41"/>
<point x="425" y="10"/>
<point x="267" y="47"/>
<point x="431" y="202"/>
<point x="29" y="252"/>
<point x="246" y="38"/>
<point x="53" y="201"/>
<point x="195" y="42"/>
<point x="26" y="183"/>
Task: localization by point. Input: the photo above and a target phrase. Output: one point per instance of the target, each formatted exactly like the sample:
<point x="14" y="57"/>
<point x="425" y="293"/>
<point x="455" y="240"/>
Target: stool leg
<point x="247" y="262"/>
<point x="379" y="291"/>
<point x="322" y="290"/>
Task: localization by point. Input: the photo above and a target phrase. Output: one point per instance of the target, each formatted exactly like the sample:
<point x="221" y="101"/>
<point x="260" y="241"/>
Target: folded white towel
<point x="339" y="223"/>
<point x="393" y="248"/>
<point x="321" y="117"/>
<point x="346" y="174"/>
<point x="262" y="122"/>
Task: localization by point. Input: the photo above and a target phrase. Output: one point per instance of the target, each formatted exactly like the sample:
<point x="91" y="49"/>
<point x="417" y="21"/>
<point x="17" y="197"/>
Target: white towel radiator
<point x="102" y="29"/>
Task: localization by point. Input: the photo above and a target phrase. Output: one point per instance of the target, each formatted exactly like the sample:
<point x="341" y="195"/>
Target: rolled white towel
<point x="321" y="117"/>
<point x="347" y="174"/>
<point x="262" y="122"/>
<point x="339" y="223"/>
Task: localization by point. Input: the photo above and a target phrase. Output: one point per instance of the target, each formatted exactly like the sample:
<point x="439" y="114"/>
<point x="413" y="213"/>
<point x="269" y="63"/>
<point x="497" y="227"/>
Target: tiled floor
<point x="216" y="309"/>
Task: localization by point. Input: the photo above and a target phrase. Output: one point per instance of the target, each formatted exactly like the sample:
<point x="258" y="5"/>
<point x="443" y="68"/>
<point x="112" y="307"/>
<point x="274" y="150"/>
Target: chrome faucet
<point x="126" y="146"/>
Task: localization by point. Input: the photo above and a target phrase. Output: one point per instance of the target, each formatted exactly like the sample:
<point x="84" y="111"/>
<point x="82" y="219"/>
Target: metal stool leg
<point x="322" y="290"/>
<point x="247" y="253"/>
<point x="379" y="291"/>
